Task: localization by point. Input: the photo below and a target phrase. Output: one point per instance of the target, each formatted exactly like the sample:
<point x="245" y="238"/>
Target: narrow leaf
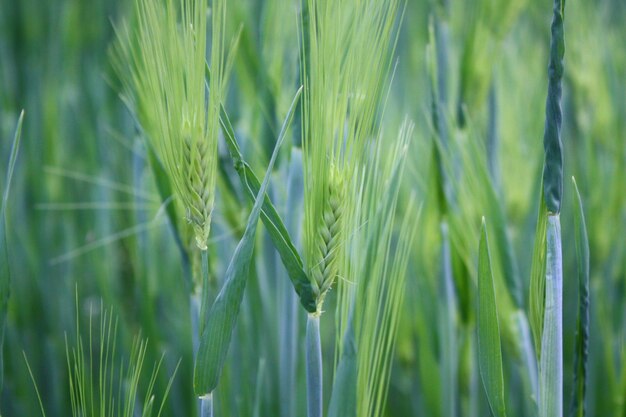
<point x="551" y="363"/>
<point x="222" y="316"/>
<point x="553" y="163"/>
<point x="538" y="276"/>
<point x="581" y="350"/>
<point x="270" y="217"/>
<point x="5" y="272"/>
<point x="528" y="363"/>
<point x="489" y="349"/>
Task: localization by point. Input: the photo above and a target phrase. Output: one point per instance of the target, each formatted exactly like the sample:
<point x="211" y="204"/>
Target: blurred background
<point x="86" y="233"/>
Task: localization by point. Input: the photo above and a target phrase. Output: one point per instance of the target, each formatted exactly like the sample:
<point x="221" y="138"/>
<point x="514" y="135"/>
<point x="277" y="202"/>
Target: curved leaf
<point x="222" y="317"/>
<point x="270" y="217"/>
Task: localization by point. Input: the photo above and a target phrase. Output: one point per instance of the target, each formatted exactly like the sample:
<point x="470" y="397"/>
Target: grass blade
<point x="553" y="163"/>
<point x="551" y="362"/>
<point x="581" y="351"/>
<point x="5" y="272"/>
<point x="270" y="217"/>
<point x="222" y="316"/>
<point x="489" y="349"/>
<point x="528" y="363"/>
<point x="538" y="277"/>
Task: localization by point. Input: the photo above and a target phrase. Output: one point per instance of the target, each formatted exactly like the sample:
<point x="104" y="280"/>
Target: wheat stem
<point x="206" y="407"/>
<point x="314" y="366"/>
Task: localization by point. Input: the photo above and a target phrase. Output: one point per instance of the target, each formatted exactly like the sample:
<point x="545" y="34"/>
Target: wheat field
<point x="320" y="208"/>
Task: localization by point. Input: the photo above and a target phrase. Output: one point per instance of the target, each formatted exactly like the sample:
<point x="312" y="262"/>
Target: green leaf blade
<point x="538" y="276"/>
<point x="489" y="345"/>
<point x="222" y="317"/>
<point x="5" y="271"/>
<point x="551" y="362"/>
<point x="581" y="350"/>
<point x="269" y="215"/>
<point x="553" y="147"/>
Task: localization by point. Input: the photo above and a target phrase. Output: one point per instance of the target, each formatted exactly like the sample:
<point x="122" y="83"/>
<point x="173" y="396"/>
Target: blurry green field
<point x="103" y="279"/>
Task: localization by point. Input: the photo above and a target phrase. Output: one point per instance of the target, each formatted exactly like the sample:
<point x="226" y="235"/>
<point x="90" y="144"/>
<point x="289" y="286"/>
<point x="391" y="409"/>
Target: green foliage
<point x="551" y="361"/>
<point x="489" y="350"/>
<point x="372" y="294"/>
<point x="341" y="99"/>
<point x="553" y="147"/>
<point x="221" y="318"/>
<point x="95" y="202"/>
<point x="162" y="70"/>
<point x="272" y="221"/>
<point x="97" y="386"/>
<point x="538" y="276"/>
<point x="5" y="270"/>
<point x="581" y="351"/>
<point x="485" y="24"/>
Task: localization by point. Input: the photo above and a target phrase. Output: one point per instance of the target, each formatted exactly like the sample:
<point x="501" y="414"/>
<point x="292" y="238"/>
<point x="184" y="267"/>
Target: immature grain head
<point x="346" y="54"/>
<point x="162" y="66"/>
<point x="329" y="235"/>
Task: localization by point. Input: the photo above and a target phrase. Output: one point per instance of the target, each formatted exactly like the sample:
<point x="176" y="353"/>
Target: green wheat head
<point x="346" y="59"/>
<point x="162" y="67"/>
<point x="330" y="234"/>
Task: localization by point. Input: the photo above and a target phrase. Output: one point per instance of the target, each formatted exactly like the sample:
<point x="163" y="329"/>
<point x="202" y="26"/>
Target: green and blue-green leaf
<point x="581" y="350"/>
<point x="489" y="345"/>
<point x="551" y="361"/>
<point x="222" y="316"/>
<point x="553" y="147"/>
<point x="5" y="271"/>
<point x="538" y="276"/>
<point x="270" y="217"/>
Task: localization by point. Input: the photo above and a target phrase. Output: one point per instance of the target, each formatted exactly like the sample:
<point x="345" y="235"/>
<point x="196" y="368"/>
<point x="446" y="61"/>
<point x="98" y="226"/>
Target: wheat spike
<point x="330" y="236"/>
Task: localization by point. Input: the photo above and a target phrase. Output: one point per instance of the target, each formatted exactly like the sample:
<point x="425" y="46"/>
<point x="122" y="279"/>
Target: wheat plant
<point x="312" y="207"/>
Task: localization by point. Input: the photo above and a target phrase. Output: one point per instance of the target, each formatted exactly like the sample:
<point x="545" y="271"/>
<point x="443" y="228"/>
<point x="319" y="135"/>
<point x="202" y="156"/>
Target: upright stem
<point x="197" y="325"/>
<point x="206" y="407"/>
<point x="313" y="367"/>
<point x="288" y="351"/>
<point x="288" y="311"/>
